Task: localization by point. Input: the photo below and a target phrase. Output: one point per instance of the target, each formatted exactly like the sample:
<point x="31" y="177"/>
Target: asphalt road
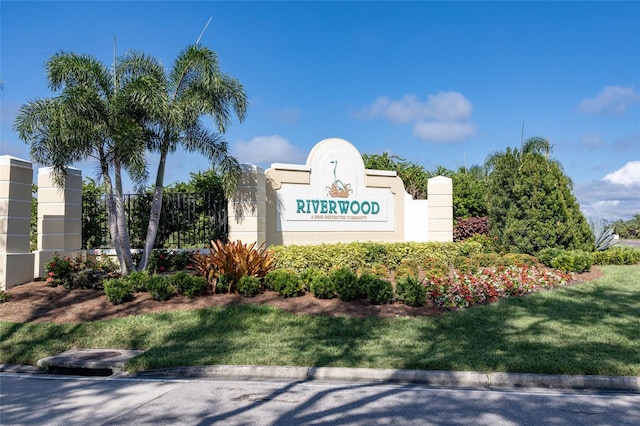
<point x="57" y="400"/>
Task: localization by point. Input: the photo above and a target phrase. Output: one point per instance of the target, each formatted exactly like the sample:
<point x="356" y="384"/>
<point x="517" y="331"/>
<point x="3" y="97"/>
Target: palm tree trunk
<point x="112" y="218"/>
<point x="123" y="232"/>
<point x="154" y="214"/>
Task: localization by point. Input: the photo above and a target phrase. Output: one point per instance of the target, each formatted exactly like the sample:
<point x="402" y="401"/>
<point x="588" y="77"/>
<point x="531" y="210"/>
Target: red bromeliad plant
<point x="233" y="260"/>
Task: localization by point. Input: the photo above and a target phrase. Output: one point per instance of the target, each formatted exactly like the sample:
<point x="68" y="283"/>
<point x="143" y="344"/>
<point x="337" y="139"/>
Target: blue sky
<point x="436" y="83"/>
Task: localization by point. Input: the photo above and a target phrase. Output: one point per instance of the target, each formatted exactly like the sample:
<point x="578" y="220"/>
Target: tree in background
<point x="469" y="192"/>
<point x="628" y="229"/>
<point x="530" y="201"/>
<point x="194" y="87"/>
<point x="413" y="176"/>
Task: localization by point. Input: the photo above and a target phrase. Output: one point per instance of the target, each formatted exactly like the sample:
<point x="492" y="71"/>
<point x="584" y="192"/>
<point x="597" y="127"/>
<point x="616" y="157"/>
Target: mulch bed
<point x="37" y="302"/>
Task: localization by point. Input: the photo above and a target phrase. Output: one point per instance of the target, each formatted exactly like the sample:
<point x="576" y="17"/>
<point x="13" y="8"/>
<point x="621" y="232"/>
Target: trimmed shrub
<point x="616" y="256"/>
<point x="138" y="280"/>
<point x="249" y="286"/>
<point x="286" y="283"/>
<point x="118" y="291"/>
<point x="490" y="259"/>
<point x="572" y="261"/>
<point x="346" y="284"/>
<point x="410" y="291"/>
<point x="160" y="288"/>
<point x="189" y="285"/>
<point x="308" y="275"/>
<point x="434" y="267"/>
<point x="407" y="268"/>
<point x="488" y="244"/>
<point x="378" y="291"/>
<point x="377" y="269"/>
<point x="322" y="287"/>
<point x="545" y="256"/>
<point x="466" y="264"/>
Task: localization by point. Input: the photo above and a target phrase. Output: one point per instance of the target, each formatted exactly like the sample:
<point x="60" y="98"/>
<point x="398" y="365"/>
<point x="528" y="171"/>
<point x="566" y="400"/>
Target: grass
<point x="591" y="328"/>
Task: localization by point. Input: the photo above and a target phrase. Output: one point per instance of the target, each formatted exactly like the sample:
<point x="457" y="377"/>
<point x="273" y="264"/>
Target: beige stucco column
<point x="16" y="260"/>
<point x="440" y="222"/>
<point x="59" y="217"/>
<point x="247" y="208"/>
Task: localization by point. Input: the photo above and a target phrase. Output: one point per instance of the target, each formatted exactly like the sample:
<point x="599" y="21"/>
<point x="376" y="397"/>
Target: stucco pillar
<point x="59" y="217"/>
<point x="16" y="259"/>
<point x="440" y="218"/>
<point x="247" y="208"/>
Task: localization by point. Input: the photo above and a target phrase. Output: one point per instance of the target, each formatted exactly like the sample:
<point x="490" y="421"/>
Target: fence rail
<point x="187" y="220"/>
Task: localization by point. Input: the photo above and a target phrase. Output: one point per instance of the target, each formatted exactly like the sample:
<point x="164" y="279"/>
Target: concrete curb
<point x="434" y="378"/>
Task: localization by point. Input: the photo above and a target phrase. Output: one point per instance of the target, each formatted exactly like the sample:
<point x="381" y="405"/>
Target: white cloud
<point x="628" y="175"/>
<point x="616" y="196"/>
<point x="613" y="100"/>
<point x="443" y="131"/>
<point x="264" y="150"/>
<point x="441" y="118"/>
<point x="605" y="200"/>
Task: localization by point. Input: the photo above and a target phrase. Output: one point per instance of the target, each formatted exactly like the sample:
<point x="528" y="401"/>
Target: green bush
<point x="519" y="259"/>
<point x="357" y="255"/>
<point x="546" y="256"/>
<point x="466" y="264"/>
<point x="490" y="259"/>
<point x="223" y="283"/>
<point x="572" y="261"/>
<point x="322" y="287"/>
<point x="346" y="284"/>
<point x="407" y="268"/>
<point x="189" y="285"/>
<point x="378" y="291"/>
<point x="308" y="275"/>
<point x="410" y="291"/>
<point x="433" y="267"/>
<point x="616" y="256"/>
<point x="138" y="280"/>
<point x="378" y="269"/>
<point x="271" y="278"/>
<point x="249" y="286"/>
<point x="160" y="288"/>
<point x="286" y="283"/>
<point x="118" y="291"/>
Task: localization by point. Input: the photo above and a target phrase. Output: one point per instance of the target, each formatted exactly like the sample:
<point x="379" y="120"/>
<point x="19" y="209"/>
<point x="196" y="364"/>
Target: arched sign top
<point x="337" y="168"/>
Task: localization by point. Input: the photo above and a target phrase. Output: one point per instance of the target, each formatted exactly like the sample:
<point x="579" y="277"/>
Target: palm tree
<point x="195" y="87"/>
<point x="97" y="114"/>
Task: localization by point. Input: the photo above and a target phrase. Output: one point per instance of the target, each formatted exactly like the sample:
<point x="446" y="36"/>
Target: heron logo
<point x="338" y="189"/>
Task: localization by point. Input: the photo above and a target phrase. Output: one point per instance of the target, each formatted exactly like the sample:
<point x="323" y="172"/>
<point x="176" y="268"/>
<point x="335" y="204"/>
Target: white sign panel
<point x="336" y="198"/>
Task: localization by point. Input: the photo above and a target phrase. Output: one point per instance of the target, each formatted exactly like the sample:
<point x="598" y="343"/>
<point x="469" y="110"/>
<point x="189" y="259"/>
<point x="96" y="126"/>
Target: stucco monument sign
<point x="333" y="198"/>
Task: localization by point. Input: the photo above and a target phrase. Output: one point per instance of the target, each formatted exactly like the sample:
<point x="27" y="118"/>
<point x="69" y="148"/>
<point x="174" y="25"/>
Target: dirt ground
<point x="36" y="302"/>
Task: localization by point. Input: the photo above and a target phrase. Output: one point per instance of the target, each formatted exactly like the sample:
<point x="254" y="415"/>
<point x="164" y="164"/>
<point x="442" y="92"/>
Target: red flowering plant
<point x="462" y="290"/>
<point x="59" y="269"/>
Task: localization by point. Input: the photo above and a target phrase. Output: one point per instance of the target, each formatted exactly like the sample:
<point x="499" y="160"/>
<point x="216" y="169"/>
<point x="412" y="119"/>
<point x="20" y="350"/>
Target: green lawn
<point x="591" y="328"/>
